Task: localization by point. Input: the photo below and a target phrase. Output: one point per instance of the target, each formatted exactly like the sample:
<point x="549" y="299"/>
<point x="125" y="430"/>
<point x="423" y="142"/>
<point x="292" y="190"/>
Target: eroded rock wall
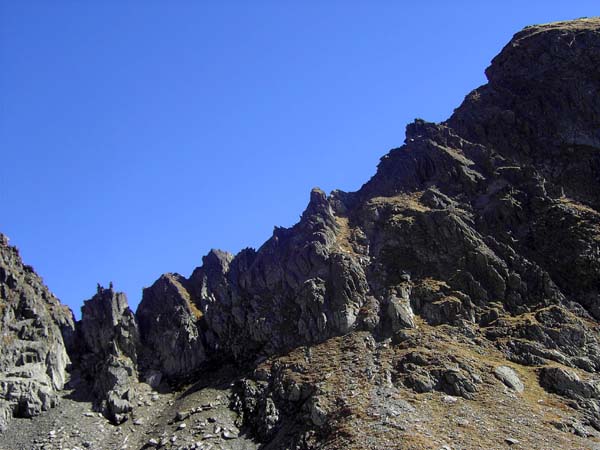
<point x="33" y="357"/>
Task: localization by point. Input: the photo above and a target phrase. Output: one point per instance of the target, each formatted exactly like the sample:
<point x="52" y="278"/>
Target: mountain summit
<point x="452" y="302"/>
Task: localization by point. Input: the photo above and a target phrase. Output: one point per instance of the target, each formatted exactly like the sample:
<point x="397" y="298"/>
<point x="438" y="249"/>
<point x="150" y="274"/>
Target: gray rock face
<point x="108" y="354"/>
<point x="569" y="384"/>
<point x="33" y="358"/>
<point x="399" y="313"/>
<point x="272" y="405"/>
<point x="552" y="334"/>
<point x="528" y="114"/>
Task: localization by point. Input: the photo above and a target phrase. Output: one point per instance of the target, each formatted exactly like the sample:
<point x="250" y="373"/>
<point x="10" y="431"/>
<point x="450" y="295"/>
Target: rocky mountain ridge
<point x="34" y="326"/>
<point x="464" y="276"/>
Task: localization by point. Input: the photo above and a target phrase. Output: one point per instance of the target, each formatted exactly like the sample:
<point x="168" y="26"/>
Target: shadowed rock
<point x="108" y="355"/>
<point x="170" y="328"/>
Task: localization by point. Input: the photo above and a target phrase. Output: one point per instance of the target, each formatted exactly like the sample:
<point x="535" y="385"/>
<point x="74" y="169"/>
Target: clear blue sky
<point x="137" y="135"/>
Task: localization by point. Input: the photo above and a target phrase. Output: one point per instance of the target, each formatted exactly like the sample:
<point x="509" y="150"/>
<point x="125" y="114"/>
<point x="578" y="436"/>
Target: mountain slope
<point x="452" y="300"/>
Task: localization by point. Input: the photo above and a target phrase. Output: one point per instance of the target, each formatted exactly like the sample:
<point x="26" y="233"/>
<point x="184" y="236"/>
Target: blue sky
<point x="137" y="135"/>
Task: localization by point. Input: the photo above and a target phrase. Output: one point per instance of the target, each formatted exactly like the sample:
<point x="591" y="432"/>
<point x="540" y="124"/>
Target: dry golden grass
<point x="433" y="284"/>
<point x="344" y="234"/>
<point x="405" y="200"/>
<point x="582" y="24"/>
<point x="589" y="216"/>
<point x="195" y="311"/>
<point x="8" y="339"/>
<point x="579" y="207"/>
<point x="447" y="298"/>
<point x="523" y="416"/>
<point x="186" y="296"/>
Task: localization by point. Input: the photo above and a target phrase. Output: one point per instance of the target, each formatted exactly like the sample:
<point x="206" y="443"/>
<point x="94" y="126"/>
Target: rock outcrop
<point x="107" y="352"/>
<point x="169" y="327"/>
<point x="33" y="357"/>
<point x="301" y="286"/>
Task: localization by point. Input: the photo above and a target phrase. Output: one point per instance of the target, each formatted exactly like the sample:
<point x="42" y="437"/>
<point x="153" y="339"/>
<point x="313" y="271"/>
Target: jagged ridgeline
<point x="453" y="300"/>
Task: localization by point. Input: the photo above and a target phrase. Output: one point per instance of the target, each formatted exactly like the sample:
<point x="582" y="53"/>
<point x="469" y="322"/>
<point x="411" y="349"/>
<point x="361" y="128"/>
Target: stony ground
<point x="193" y="417"/>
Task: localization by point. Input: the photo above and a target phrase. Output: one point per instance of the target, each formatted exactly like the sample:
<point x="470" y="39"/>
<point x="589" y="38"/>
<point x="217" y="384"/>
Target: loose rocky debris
<point x="197" y="417"/>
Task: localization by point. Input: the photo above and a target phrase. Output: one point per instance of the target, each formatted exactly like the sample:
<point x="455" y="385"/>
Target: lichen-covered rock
<point x="551" y="334"/>
<point x="276" y="407"/>
<point x="585" y="393"/>
<point x="33" y="357"/>
<point x="398" y="312"/>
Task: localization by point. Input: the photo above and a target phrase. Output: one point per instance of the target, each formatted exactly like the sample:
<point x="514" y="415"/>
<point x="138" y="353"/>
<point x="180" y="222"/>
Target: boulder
<point x="509" y="377"/>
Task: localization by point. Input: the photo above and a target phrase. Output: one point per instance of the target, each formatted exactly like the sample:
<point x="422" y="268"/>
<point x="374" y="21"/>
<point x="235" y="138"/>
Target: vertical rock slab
<point x="170" y="328"/>
<point x="108" y="355"/>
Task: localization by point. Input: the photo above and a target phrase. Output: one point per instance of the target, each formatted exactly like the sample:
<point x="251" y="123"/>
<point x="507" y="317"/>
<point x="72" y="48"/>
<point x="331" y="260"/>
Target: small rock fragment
<point x="229" y="435"/>
<point x="182" y="415"/>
